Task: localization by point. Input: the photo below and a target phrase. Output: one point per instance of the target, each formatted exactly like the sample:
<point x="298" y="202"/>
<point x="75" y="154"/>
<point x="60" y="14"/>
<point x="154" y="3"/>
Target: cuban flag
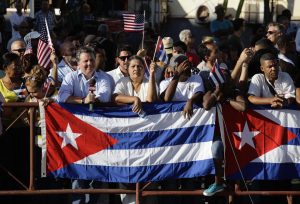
<point x="113" y="144"/>
<point x="160" y="52"/>
<point x="265" y="142"/>
<point x="216" y="76"/>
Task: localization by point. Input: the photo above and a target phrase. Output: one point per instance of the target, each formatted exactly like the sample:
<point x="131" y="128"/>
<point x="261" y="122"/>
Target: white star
<point x="69" y="137"/>
<point x="246" y="136"/>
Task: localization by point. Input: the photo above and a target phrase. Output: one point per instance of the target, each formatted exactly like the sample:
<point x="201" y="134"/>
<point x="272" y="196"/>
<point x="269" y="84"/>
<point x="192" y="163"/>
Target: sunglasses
<point x="20" y="50"/>
<point x="123" y="58"/>
<point x="271" y="32"/>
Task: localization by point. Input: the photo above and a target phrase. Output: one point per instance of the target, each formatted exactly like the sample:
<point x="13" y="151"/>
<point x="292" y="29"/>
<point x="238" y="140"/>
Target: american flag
<point x="160" y="52"/>
<point x="216" y="75"/>
<point x="133" y="22"/>
<point x="28" y="47"/>
<point x="44" y="47"/>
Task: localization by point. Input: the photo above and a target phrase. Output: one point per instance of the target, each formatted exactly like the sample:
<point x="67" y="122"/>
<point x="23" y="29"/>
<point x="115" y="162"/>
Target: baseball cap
<point x="177" y="59"/>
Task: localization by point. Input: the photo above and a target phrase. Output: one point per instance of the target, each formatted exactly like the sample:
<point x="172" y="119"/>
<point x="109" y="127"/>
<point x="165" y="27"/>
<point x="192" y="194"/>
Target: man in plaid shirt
<point x="42" y="14"/>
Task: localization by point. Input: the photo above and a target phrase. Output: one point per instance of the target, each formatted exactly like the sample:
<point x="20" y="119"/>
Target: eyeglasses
<point x="123" y="58"/>
<point x="271" y="32"/>
<point x="20" y="50"/>
<point x="29" y="78"/>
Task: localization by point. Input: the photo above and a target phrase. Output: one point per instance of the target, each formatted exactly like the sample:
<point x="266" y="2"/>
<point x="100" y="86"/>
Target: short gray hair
<point x="85" y="49"/>
<point x="184" y="34"/>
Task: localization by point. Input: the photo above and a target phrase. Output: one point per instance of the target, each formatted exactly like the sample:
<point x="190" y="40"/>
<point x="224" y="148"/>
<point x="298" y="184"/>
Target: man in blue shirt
<point x="75" y="85"/>
<point x="220" y="27"/>
<point x="75" y="89"/>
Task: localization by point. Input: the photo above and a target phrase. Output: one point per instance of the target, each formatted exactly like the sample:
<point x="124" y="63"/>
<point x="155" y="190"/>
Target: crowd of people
<point x="265" y="73"/>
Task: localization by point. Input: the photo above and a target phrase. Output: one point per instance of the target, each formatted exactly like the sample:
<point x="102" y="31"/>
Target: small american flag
<point x="216" y="75"/>
<point x="28" y="47"/>
<point x="133" y="22"/>
<point x="44" y="47"/>
<point x="160" y="52"/>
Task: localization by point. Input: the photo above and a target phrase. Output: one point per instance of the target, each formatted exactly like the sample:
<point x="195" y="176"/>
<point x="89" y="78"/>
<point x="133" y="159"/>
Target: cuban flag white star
<point x="69" y="137"/>
<point x="246" y="136"/>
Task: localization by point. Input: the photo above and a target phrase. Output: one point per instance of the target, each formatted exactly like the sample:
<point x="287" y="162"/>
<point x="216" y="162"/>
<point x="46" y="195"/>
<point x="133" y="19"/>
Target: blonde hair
<point x="37" y="76"/>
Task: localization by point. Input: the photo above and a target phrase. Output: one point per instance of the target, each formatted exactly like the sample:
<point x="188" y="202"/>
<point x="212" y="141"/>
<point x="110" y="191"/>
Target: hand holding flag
<point x="160" y="52"/>
<point x="216" y="75"/>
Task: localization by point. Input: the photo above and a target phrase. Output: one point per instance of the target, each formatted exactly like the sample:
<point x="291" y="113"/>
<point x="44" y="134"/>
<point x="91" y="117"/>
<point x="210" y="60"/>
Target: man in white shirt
<point x="16" y="19"/>
<point x="124" y="53"/>
<point x="273" y="87"/>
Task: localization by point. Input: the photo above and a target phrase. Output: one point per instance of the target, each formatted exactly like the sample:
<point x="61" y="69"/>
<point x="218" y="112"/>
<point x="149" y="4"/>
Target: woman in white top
<point x="136" y="88"/>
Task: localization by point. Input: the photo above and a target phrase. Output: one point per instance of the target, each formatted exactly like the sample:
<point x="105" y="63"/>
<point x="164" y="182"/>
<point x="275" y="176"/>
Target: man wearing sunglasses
<point x="124" y="53"/>
<point x="274" y="31"/>
<point x="18" y="47"/>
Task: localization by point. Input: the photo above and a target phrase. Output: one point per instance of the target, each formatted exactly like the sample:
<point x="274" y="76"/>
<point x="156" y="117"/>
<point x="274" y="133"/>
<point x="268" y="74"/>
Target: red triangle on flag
<point x="268" y="136"/>
<point x="88" y="140"/>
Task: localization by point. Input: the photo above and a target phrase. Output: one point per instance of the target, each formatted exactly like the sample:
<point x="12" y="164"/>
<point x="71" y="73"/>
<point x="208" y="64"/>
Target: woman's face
<point x="14" y="70"/>
<point x="34" y="91"/>
<point x="136" y="69"/>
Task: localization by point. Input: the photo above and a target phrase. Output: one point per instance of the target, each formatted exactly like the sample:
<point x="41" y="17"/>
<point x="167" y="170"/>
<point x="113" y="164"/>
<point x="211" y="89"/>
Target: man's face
<point x="87" y="64"/>
<point x="69" y="52"/>
<point x="273" y="34"/>
<point x="122" y="60"/>
<point x="177" y="50"/>
<point x="45" y="5"/>
<point x="19" y="6"/>
<point x="270" y="69"/>
<point x="18" y="47"/>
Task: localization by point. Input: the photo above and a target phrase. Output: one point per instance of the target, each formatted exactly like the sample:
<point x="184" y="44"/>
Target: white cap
<point x="31" y="35"/>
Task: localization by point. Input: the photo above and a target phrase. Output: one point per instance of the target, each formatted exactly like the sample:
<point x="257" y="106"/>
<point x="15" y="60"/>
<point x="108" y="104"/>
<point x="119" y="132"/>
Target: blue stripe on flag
<point x="126" y="110"/>
<point x="136" y="174"/>
<point x="141" y="140"/>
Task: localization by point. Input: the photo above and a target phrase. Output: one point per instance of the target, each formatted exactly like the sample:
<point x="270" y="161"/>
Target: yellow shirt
<point x="9" y="96"/>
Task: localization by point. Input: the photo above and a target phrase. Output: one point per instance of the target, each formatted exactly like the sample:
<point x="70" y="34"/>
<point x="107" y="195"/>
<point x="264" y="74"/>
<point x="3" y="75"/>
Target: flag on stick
<point x="45" y="47"/>
<point x="216" y="76"/>
<point x="133" y="22"/>
<point x="160" y="52"/>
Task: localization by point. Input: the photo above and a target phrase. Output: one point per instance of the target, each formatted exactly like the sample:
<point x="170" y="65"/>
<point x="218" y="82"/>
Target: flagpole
<point x="143" y="38"/>
<point x="155" y="48"/>
<point x="225" y="130"/>
<point x="48" y="34"/>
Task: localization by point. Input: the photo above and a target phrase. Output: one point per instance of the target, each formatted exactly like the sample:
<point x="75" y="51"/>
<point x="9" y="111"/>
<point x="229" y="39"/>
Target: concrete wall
<point x="252" y="10"/>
